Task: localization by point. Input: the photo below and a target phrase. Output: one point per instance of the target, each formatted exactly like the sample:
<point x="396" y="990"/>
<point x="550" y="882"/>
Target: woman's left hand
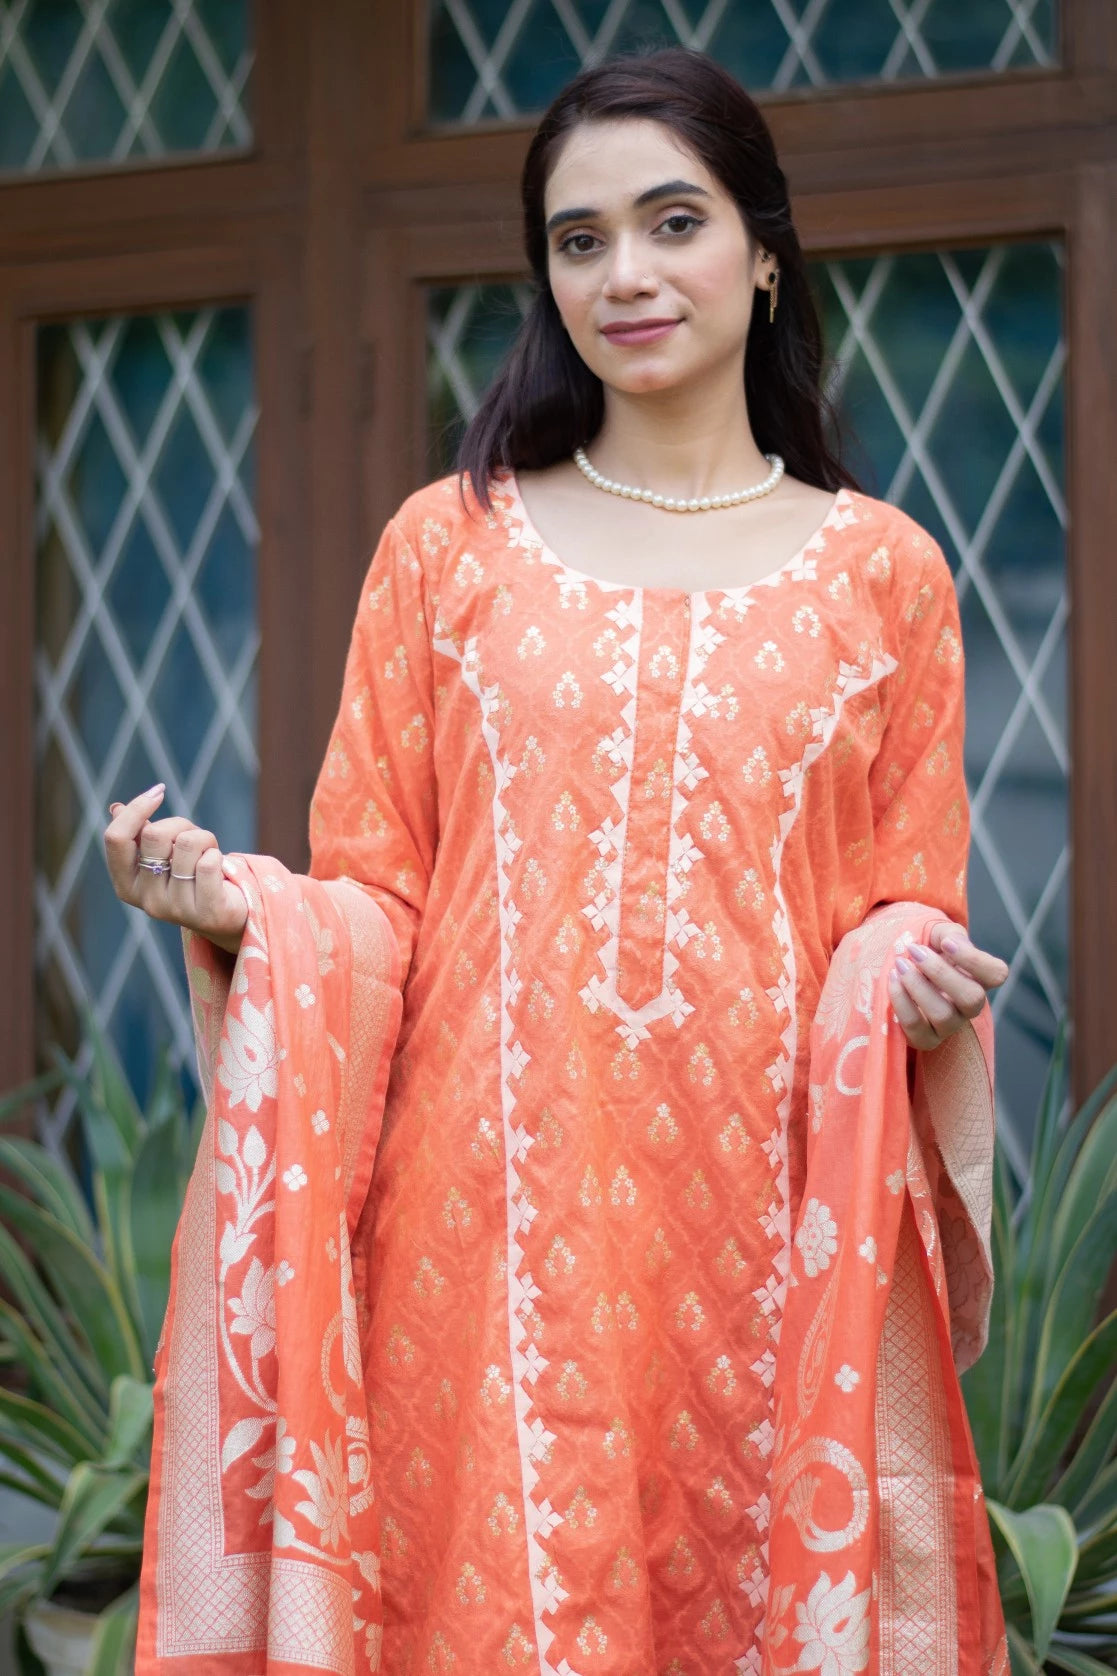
<point x="938" y="986"/>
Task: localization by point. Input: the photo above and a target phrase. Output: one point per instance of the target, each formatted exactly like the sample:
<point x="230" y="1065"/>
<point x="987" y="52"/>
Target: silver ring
<point x="152" y="864"/>
<point x="185" y="878"/>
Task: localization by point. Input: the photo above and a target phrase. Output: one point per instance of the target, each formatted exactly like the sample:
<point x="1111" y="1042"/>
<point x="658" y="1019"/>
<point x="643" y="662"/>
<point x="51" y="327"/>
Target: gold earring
<point x="773" y="294"/>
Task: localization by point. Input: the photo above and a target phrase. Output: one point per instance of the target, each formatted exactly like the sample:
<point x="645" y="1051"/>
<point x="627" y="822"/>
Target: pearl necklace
<point x="708" y="503"/>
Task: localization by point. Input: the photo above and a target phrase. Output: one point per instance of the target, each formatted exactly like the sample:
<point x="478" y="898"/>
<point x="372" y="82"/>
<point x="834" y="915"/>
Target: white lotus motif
<point x="250" y="1056"/>
<point x="834" y="1628"/>
<point x="328" y="1507"/>
<point x="254" y="1310"/>
<point x="817" y="1237"/>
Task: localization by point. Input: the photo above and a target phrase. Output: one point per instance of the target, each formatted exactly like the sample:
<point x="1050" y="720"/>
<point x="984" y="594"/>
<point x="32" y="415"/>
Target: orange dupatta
<point x="261" y="1547"/>
<point x="880" y="1555"/>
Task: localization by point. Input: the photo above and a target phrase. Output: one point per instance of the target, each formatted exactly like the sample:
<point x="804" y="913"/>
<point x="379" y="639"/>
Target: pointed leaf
<point x="69" y="1398"/>
<point x="1090" y="1458"/>
<point x="130" y="1418"/>
<point x="82" y="1284"/>
<point x="38" y="1427"/>
<point x="1076" y="1662"/>
<point x="1044" y="1544"/>
<point x="53" y="1186"/>
<point x="47" y="1321"/>
<point x="13" y="1555"/>
<point x="245" y="1435"/>
<point x="1097" y="1511"/>
<point x="37" y="1482"/>
<point x="13" y="1106"/>
<point x="29" y="1662"/>
<point x="114" y="1637"/>
<point x="155" y="1205"/>
<point x="1046" y="1440"/>
<point x="1073" y="1305"/>
<point x="1021" y="1655"/>
<point x="94" y="1496"/>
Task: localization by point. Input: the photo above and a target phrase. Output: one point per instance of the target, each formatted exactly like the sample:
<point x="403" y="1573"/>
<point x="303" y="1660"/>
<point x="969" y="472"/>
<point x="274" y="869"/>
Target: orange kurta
<point x="617" y="836"/>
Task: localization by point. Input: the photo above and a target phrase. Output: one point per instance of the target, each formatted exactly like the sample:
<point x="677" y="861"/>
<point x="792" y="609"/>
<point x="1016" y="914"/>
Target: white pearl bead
<point x="669" y="503"/>
<point x="694" y="506"/>
<point x="705" y="503"/>
<point x="657" y="500"/>
<point x="646" y="494"/>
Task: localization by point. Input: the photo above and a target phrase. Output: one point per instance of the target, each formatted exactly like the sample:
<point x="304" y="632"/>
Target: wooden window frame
<point x="347" y="209"/>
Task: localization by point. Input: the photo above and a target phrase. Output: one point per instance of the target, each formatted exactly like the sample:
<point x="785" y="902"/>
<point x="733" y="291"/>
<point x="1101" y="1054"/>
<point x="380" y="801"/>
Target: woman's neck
<point x="679" y="442"/>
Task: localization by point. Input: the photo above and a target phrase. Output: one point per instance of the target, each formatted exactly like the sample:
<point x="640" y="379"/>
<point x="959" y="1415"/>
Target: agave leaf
<point x="1021" y="1655"/>
<point x="1092" y="1603"/>
<point x="67" y="1396"/>
<point x="16" y="1554"/>
<point x="156" y="1200"/>
<point x="1092" y="1177"/>
<point x="1075" y="1661"/>
<point x="17" y="1591"/>
<point x="1043" y="1542"/>
<point x="1097" y="1556"/>
<point x="113" y="1637"/>
<point x="1090" y="1458"/>
<point x="49" y="1324"/>
<point x="94" y="1496"/>
<point x="1097" y="1511"/>
<point x="1072" y="1306"/>
<point x="1045" y="1143"/>
<point x="28" y="1486"/>
<point x="113" y="1090"/>
<point x="51" y="1183"/>
<point x="14" y="1105"/>
<point x="87" y="1289"/>
<point x="38" y="1427"/>
<point x="1047" y="1438"/>
<point x="130" y="1418"/>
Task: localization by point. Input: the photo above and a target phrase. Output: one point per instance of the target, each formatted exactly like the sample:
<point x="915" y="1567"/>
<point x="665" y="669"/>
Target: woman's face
<point x="650" y="265"/>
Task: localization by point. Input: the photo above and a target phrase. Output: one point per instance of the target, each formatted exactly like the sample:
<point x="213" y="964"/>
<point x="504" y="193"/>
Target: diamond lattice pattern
<point x="104" y="80"/>
<point x="146" y="647"/>
<point x="505" y="58"/>
<point x="948" y="368"/>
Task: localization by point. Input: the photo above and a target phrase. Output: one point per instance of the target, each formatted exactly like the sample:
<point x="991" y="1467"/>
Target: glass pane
<point x="146" y="540"/>
<point x="121" y="79"/>
<point x="948" y="368"/>
<point x="488" y="60"/>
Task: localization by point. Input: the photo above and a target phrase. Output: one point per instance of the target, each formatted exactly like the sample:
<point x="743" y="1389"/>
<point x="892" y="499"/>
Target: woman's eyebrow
<point x="669" y="189"/>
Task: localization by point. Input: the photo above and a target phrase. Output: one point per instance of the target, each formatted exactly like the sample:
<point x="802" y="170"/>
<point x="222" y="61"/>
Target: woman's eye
<point x="681" y="222"/>
<point x="578" y="244"/>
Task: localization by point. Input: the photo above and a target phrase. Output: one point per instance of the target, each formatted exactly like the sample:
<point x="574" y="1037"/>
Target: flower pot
<point x="62" y="1637"/>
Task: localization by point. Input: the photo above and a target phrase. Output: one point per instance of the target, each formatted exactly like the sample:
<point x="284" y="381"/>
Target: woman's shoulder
<point x="914" y="557"/>
<point x="440" y="516"/>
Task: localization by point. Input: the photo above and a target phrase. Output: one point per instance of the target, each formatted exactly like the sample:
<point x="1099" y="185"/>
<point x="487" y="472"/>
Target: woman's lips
<point x="644" y="331"/>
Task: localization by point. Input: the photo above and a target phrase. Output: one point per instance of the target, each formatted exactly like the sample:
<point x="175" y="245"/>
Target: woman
<point x="632" y="1354"/>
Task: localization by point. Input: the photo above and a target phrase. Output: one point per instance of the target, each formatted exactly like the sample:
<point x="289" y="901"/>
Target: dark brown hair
<point x="544" y="401"/>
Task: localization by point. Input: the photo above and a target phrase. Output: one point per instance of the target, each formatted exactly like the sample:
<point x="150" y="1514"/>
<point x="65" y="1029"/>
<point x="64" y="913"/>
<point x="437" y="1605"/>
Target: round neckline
<point x="737" y="591"/>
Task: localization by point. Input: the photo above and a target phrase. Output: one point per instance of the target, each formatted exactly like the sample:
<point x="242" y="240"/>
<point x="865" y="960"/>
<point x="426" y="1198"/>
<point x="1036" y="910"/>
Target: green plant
<point x="87" y="1286"/>
<point x="1041" y="1402"/>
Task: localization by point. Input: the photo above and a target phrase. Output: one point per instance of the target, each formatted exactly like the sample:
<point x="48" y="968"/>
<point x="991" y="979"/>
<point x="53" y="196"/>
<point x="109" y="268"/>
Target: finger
<point x="940" y="1013"/>
<point x="909" y="1017"/>
<point x="130" y="817"/>
<point x="219" y="904"/>
<point x="965" y="993"/>
<point x="187" y="848"/>
<point x="121" y="835"/>
<point x="985" y="967"/>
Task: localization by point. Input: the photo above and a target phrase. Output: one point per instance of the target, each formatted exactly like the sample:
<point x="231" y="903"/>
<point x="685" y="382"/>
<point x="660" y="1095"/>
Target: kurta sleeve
<point x="373" y="817"/>
<point x="920" y="810"/>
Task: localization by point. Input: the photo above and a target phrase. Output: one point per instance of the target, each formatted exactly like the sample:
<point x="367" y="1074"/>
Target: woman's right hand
<point x="194" y="891"/>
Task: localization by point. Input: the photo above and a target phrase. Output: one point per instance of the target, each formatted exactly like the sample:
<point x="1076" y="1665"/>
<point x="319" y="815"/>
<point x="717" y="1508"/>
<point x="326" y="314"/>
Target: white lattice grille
<point x="104" y="80"/>
<point x="504" y="58"/>
<point x="949" y="368"/>
<point x="146" y="646"/>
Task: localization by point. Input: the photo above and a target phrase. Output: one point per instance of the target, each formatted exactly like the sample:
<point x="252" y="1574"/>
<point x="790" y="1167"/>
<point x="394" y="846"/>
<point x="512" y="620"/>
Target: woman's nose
<point x="629" y="273"/>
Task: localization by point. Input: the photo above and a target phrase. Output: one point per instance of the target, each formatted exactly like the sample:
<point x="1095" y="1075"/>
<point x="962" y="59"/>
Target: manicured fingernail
<point x="951" y="945"/>
<point x="151" y="790"/>
<point x="113" y="807"/>
<point x="903" y="965"/>
<point x="917" y="951"/>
